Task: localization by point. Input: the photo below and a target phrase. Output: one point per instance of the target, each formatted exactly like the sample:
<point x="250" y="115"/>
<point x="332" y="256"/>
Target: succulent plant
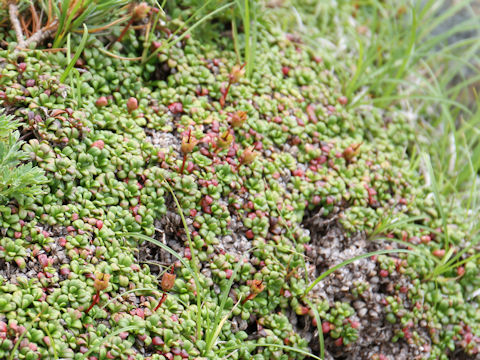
<point x="283" y="168"/>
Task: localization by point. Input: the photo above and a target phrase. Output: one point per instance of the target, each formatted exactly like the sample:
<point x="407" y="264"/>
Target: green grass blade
<point x="218" y="327"/>
<point x="173" y="40"/>
<point x="235" y="38"/>
<point x="408" y="53"/>
<point x="74" y="12"/>
<point x="52" y="340"/>
<point x="440" y="18"/>
<point x="349" y="261"/>
<point x="248" y="40"/>
<point x="417" y="249"/>
<point x="61" y="23"/>
<point x="212" y="336"/>
<point x="382" y="227"/>
<point x="283" y="347"/>
<point x="80" y="48"/>
<point x="121" y="295"/>
<point x="194" y="258"/>
<point x="20" y="338"/>
<point x="110" y="336"/>
<point x="163" y="246"/>
<point x="321" y="340"/>
<point x="148" y="38"/>
<point x="425" y="97"/>
<point x="359" y="69"/>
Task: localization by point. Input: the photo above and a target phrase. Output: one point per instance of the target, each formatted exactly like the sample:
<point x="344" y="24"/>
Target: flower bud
<point x="350" y="152"/>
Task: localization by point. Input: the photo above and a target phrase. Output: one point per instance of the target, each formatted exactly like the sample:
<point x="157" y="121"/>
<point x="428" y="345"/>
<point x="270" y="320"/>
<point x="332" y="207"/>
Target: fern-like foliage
<point x="17" y="178"/>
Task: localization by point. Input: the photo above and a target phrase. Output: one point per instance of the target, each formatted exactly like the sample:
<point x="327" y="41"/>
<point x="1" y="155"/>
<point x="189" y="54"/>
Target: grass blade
<point x="52" y="340"/>
<point x="194" y="258"/>
<point x="283" y="347"/>
<point x="19" y="340"/>
<point x="319" y="329"/>
<point x="173" y="41"/>
<point x="80" y="48"/>
<point x="108" y="337"/>
<point x="218" y="327"/>
<point x="61" y="24"/>
<point x="349" y="261"/>
<point x="211" y="337"/>
<point x="438" y="201"/>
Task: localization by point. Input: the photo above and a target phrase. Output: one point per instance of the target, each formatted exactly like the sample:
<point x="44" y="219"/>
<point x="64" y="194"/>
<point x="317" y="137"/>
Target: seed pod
<point x="168" y="281"/>
<point x="238" y="118"/>
<point x="236" y="74"/>
<point x="256" y="286"/>
<point x="248" y="156"/>
<point x="350" y="152"/>
<point x="188" y="143"/>
<point x="101" y="281"/>
<point x="224" y="141"/>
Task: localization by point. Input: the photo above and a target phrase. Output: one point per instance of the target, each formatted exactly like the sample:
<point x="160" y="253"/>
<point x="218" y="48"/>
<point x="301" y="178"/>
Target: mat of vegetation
<point x="173" y="189"/>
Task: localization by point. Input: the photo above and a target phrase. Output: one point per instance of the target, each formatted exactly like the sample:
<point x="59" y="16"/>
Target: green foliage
<point x="17" y="179"/>
<point x="107" y="162"/>
<point x="72" y="14"/>
<point x="78" y="52"/>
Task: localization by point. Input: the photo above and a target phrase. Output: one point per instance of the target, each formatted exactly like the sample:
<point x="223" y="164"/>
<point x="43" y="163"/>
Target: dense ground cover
<point x="229" y="170"/>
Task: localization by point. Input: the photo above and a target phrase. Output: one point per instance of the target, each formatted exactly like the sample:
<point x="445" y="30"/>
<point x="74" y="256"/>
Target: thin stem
<point x="162" y="300"/>
<point x="124" y="31"/>
<point x="249" y="297"/>
<point x="223" y="99"/>
<point x="183" y="163"/>
<point x="95" y="300"/>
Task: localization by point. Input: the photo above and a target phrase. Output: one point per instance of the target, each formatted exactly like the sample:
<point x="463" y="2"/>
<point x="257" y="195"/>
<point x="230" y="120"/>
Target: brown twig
<point x="44" y="50"/>
<point x="13" y="11"/>
<point x="41" y="34"/>
<point x="37" y="37"/>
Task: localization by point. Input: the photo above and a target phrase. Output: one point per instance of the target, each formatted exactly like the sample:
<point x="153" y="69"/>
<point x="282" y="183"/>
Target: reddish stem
<point x="162" y="300"/>
<point x="95" y="300"/>
<point x="249" y="297"/>
<point x="223" y="98"/>
<point x="183" y="164"/>
<point x="124" y="31"/>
